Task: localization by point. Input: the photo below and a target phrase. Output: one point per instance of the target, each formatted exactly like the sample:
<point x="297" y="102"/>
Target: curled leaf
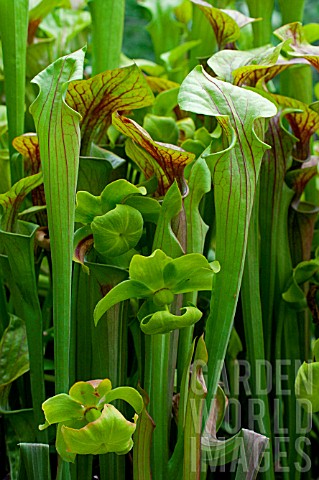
<point x="128" y="394"/>
<point x="119" y="293"/>
<point x="304" y="122"/>
<point x="12" y="200"/>
<point x="159" y="278"/>
<point x="298" y="43"/>
<point x="28" y="145"/>
<point x="164" y="322"/>
<point x="166" y="162"/>
<point x="225" y="23"/>
<point x="307" y="271"/>
<point x="98" y="97"/>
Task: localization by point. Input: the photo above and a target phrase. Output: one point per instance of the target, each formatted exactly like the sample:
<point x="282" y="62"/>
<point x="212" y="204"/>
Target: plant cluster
<point x="159" y="251"/>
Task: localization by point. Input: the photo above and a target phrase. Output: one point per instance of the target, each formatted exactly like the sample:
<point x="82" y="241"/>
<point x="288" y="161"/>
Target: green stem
<point x="157" y="387"/>
<point x="272" y="174"/>
<point x="262" y="29"/>
<point x="253" y="325"/>
<point x="82" y="320"/>
<point x="185" y="341"/>
<point x="291" y="11"/>
<point x="109" y="349"/>
<point x="287" y="349"/>
<point x="82" y="469"/>
<point x="107" y="33"/>
<point x="112" y="466"/>
<point x="4" y="317"/>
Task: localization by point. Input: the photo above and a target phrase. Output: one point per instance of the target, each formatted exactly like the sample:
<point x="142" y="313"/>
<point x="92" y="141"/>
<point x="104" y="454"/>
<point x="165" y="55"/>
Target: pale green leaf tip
<point x="96" y="317"/>
<point x="44" y="425"/>
<point x="215" y="265"/>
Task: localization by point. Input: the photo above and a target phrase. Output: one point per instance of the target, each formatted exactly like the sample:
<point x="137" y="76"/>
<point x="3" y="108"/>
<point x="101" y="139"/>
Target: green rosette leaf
<point x="85" y="393"/>
<point x="117" y="231"/>
<point x="117" y="191"/>
<point x="122" y="291"/>
<point x="164" y="322"/>
<point x="61" y="446"/>
<point x="89" y="206"/>
<point x="160" y="277"/>
<point x="149" y="270"/>
<point x="128" y="394"/>
<point x="189" y="273"/>
<point x="61" y="408"/>
<point x="111" y="432"/>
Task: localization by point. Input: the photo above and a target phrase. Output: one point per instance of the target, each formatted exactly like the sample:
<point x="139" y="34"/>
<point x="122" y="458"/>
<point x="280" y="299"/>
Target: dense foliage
<point x="159" y="250"/>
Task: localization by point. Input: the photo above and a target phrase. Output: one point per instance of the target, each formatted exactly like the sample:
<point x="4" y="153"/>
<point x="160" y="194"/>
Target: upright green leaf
<point x="164" y="234"/>
<point x="13" y="31"/>
<point x="292" y="11"/>
<point x="59" y="151"/>
<point x="235" y="171"/>
<point x="19" y="427"/>
<point x="19" y="248"/>
<point x="34" y="461"/>
<point x="273" y="170"/>
<point x="199" y="183"/>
